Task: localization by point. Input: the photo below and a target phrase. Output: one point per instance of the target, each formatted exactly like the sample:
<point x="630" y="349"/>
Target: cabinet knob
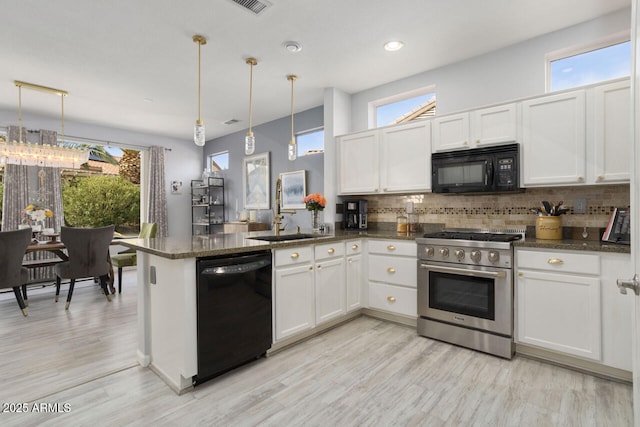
<point x="599" y="178"/>
<point x="580" y="178"/>
<point x="295" y="255"/>
<point x="391" y="248"/>
<point x="478" y="142"/>
<point x="520" y="274"/>
<point x="310" y="268"/>
<point x="319" y="266"/>
<point x="350" y="260"/>
<point x="466" y="143"/>
<point x="391" y="299"/>
<point x="330" y="251"/>
<point x="391" y="270"/>
<point x="555" y="261"/>
<point x="354" y="247"/>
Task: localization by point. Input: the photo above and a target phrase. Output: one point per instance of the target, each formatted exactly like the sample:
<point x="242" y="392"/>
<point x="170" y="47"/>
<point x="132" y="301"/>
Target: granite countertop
<point x="573" y="245"/>
<point x="181" y="247"/>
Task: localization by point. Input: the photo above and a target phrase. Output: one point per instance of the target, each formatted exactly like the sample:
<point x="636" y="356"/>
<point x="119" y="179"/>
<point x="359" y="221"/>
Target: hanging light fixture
<point x="250" y="140"/>
<point x="293" y="146"/>
<point x="198" y="130"/>
<point x="24" y="153"/>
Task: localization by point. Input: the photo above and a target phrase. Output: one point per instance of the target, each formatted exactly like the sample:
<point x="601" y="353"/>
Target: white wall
<point x="517" y="71"/>
<point x="182" y="163"/>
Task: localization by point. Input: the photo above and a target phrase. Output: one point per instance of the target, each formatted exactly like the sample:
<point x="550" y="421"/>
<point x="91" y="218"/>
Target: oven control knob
<point x="476" y="255"/>
<point x="429" y="251"/>
<point x="444" y="252"/>
<point x="459" y="254"/>
<point x="494" y="256"/>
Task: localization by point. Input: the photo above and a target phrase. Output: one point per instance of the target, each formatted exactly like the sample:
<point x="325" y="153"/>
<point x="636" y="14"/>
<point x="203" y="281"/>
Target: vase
<point x="314" y="221"/>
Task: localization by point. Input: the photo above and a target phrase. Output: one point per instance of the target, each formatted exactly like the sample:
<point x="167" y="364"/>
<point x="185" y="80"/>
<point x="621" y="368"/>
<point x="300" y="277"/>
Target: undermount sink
<point x="283" y="237"/>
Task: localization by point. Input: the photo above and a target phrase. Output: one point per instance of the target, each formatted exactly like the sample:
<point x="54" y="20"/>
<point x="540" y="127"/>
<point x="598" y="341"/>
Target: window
<point x="404" y="107"/>
<point x="578" y="67"/>
<point x="219" y="161"/>
<point x="310" y="142"/>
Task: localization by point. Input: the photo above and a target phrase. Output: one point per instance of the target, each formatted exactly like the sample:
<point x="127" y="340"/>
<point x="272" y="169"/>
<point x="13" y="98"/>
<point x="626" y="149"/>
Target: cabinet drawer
<point x="396" y="270"/>
<point x="353" y="247"/>
<point x="293" y="256"/>
<point x="560" y="261"/>
<point x="393" y="247"/>
<point x="393" y="298"/>
<point x="329" y="250"/>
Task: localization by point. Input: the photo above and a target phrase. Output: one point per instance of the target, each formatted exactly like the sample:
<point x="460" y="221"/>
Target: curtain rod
<point x="96" y="141"/>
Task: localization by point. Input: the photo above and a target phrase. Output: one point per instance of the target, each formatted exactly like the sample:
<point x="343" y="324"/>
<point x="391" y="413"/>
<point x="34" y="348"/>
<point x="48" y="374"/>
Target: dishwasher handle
<point x="239" y="268"/>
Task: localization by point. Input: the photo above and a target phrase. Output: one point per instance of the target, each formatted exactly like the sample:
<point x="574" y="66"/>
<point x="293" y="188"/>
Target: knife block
<point x="549" y="228"/>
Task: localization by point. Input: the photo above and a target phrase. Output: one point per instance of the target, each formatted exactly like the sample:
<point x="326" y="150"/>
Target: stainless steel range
<point x="465" y="289"/>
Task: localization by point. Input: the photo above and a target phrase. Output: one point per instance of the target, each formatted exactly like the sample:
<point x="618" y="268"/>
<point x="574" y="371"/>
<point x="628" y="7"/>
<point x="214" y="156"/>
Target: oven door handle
<point x="464" y="271"/>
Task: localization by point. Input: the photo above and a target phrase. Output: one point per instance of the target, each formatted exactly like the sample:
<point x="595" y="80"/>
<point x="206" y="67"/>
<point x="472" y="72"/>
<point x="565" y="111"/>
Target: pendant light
<point x="293" y="146"/>
<point x="250" y="140"/>
<point x="198" y="130"/>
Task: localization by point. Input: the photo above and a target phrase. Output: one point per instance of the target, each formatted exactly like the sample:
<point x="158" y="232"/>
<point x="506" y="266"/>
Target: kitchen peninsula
<point x="167" y="292"/>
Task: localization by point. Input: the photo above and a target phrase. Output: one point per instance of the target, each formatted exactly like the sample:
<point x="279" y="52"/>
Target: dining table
<point x="56" y="247"/>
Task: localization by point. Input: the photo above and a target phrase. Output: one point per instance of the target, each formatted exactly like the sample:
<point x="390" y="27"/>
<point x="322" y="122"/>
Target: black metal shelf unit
<point x="207" y="206"/>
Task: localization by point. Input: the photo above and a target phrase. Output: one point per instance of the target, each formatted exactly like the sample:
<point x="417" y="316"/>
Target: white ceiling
<point x="132" y="64"/>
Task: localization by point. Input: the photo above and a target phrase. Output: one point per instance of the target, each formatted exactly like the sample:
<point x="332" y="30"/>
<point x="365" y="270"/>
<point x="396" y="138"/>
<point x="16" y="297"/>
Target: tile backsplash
<point x="502" y="210"/>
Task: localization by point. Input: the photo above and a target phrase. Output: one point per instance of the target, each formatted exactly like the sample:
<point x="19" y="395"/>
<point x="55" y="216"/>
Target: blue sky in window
<point x="591" y="67"/>
<point x="310" y="141"/>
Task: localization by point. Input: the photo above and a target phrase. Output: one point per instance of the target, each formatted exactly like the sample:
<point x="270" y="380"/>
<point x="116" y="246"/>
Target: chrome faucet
<point x="277" y="211"/>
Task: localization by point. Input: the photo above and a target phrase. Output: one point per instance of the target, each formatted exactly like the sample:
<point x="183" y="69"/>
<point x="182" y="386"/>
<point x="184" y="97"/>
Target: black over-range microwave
<point x="479" y="170"/>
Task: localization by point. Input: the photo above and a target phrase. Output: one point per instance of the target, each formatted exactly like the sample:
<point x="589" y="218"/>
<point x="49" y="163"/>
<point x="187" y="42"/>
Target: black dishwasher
<point x="234" y="311"/>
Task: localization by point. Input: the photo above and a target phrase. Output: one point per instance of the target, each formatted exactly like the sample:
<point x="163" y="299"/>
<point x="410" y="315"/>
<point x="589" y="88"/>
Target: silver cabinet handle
<point x="464" y="272"/>
<point x="633" y="284"/>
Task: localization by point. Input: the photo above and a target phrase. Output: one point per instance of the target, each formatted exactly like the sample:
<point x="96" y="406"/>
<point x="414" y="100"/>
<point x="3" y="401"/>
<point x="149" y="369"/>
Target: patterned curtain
<point x="16" y="187"/>
<point x="157" y="191"/>
<point x="52" y="185"/>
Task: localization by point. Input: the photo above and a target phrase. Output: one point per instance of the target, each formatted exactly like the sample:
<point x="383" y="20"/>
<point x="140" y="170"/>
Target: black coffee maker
<point x="354" y="214"/>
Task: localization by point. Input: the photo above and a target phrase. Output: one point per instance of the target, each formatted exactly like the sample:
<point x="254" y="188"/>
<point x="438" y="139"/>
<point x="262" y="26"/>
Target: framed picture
<point x="176" y="187"/>
<point x="256" y="181"/>
<point x="294" y="188"/>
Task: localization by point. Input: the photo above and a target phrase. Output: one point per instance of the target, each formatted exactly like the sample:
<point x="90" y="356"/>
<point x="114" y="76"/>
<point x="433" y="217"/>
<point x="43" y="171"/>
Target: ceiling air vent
<point x="254" y="6"/>
<point x="230" y="122"/>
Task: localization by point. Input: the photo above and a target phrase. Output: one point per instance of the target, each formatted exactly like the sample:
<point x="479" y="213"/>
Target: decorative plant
<point x="315" y="202"/>
<point x="36" y="212"/>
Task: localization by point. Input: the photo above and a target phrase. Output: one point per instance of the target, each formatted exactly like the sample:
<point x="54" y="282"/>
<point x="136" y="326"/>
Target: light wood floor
<point x="365" y="373"/>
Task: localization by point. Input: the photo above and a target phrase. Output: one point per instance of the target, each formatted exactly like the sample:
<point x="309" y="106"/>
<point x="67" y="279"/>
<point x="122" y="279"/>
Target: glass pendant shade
<point x="198" y="133"/>
<point x="293" y="150"/>
<point x="249" y="144"/>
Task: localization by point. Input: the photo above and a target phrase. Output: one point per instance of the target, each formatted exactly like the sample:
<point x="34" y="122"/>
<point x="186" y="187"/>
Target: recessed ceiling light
<point x="393" y="45"/>
<point x="292" y="47"/>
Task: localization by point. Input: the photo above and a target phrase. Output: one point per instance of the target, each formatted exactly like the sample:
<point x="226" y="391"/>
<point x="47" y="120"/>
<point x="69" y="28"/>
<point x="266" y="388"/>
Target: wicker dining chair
<point x="88" y="250"/>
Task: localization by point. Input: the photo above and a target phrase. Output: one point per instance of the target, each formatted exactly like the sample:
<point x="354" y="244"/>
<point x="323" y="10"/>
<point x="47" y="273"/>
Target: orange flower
<point x="315" y="202"/>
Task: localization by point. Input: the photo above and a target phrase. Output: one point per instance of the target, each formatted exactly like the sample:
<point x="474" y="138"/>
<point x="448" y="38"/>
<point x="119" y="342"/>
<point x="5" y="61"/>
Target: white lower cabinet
<point x="393" y="276"/>
<point x="567" y="302"/>
<point x="354" y="274"/>
<point x="294" y="291"/>
<point x="330" y="282"/>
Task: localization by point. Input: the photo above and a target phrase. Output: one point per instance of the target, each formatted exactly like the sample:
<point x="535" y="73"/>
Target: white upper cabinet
<point x="451" y="132"/>
<point x="358" y="163"/>
<point x="612" y="133"/>
<point x="405" y="163"/>
<point x="553" y="139"/>
<point x="478" y="128"/>
<point x="394" y="159"/>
